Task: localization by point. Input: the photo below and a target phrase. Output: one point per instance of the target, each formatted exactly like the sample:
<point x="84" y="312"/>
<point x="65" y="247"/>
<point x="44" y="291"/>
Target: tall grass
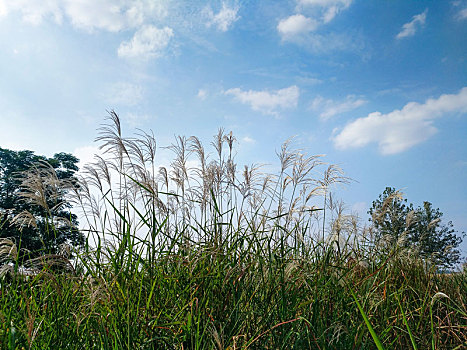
<point x="215" y="257"/>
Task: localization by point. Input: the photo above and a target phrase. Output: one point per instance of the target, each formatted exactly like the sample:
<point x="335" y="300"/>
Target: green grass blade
<point x="412" y="339"/>
<point x="367" y="322"/>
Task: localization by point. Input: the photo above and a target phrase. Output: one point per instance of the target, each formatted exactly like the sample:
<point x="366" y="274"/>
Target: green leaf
<point x="367" y="322"/>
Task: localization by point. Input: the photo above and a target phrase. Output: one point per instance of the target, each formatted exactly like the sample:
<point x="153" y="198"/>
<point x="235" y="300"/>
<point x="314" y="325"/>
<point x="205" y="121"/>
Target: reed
<point x="215" y="256"/>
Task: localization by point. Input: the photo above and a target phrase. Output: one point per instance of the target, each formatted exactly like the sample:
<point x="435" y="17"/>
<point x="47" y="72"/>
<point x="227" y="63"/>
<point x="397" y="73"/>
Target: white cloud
<point x="124" y="94"/>
<point x="402" y="129"/>
<point x="296" y="25"/>
<point x="410" y="28"/>
<point x="33" y="12"/>
<point x="249" y="140"/>
<point x="302" y="28"/>
<point x="224" y="19"/>
<point x="110" y="15"/>
<point x="328" y="9"/>
<point x="462" y="14"/>
<point x="326" y="3"/>
<point x="267" y="102"/>
<point x="308" y="80"/>
<point x="202" y="94"/>
<point x="3" y="9"/>
<point x="329" y="108"/>
<point x="101" y="14"/>
<point x="148" y="42"/>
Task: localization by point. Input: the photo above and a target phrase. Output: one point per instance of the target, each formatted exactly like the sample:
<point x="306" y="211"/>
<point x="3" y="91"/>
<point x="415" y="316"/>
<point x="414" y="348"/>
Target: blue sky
<point x="380" y="87"/>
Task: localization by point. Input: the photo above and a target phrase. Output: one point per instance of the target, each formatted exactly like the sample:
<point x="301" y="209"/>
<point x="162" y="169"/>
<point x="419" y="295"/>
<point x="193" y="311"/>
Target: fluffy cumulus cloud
<point x="410" y="28"/>
<point x="303" y="27"/>
<point x="295" y="25"/>
<point x="147" y="42"/>
<point x="224" y="19"/>
<point x="402" y="129"/>
<point x="267" y="102"/>
<point x="328" y="108"/>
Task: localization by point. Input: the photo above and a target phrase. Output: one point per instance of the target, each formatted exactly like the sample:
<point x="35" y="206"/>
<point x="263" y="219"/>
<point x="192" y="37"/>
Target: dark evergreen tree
<point x="389" y="216"/>
<point x="435" y="241"/>
<point x="422" y="228"/>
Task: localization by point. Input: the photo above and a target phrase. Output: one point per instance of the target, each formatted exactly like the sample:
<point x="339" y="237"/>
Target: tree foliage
<point x="435" y="240"/>
<point x="420" y="229"/>
<point x="389" y="215"/>
<point x="33" y="205"/>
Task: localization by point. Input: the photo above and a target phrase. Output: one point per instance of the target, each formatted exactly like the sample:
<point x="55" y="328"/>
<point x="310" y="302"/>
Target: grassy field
<point x="210" y="257"/>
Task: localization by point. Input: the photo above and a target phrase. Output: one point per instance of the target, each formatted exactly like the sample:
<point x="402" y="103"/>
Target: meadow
<point x="202" y="255"/>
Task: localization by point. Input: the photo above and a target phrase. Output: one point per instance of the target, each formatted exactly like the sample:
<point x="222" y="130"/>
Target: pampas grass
<point x="206" y="254"/>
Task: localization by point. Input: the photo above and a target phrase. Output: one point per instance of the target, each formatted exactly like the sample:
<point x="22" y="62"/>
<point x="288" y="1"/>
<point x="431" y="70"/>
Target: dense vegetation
<point x="32" y="195"/>
<point x="421" y="229"/>
<point x="211" y="258"/>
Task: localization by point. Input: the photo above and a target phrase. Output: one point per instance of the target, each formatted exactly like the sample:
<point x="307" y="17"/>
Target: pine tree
<point x="420" y="229"/>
